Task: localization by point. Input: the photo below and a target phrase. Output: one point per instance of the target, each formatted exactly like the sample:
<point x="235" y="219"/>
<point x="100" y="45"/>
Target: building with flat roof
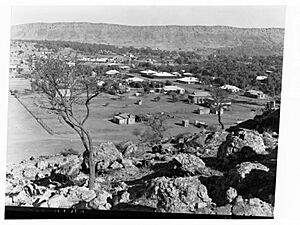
<point x="134" y="79"/>
<point x="124" y="118"/>
<point x="230" y="88"/>
<point x="160" y="75"/>
<point x="174" y="88"/>
<point x="112" y="72"/>
<point x="188" y="80"/>
<point x="261" y="78"/>
<point x="255" y="94"/>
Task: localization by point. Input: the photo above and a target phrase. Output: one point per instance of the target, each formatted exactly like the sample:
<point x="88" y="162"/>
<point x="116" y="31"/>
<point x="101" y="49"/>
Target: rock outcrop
<point x="243" y="144"/>
<point x="105" y="155"/>
<point x="181" y="195"/>
<point x="215" y="173"/>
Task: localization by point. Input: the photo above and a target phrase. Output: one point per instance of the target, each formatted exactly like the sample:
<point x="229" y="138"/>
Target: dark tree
<point x="156" y="127"/>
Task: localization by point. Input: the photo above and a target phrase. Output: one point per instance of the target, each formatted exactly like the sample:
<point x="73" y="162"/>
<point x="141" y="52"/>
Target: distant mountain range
<point x="205" y="39"/>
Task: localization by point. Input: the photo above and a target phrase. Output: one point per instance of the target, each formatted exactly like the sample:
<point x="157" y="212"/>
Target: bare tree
<point x="220" y="98"/>
<point x="63" y="89"/>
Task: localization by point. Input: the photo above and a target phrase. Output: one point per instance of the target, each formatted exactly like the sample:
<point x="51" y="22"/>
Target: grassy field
<point x="26" y="137"/>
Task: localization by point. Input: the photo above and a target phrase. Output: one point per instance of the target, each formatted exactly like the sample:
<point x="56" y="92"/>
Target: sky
<point x="237" y="16"/>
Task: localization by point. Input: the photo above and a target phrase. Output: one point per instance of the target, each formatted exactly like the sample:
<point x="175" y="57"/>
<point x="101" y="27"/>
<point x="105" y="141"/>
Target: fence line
<point x="39" y="120"/>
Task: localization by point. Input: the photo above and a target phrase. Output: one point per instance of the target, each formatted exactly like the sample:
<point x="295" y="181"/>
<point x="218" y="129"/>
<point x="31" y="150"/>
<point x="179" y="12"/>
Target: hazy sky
<point x="239" y="16"/>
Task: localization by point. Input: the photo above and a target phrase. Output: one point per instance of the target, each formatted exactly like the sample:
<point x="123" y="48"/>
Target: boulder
<point x="70" y="166"/>
<point x="127" y="148"/>
<point x="243" y="143"/>
<point x="215" y="139"/>
<point x="42" y="164"/>
<point x="22" y="198"/>
<point x="30" y="172"/>
<point x="127" y="163"/>
<point x="8" y="201"/>
<point x="181" y="195"/>
<point x="231" y="194"/>
<point x="252" y="207"/>
<point x="269" y="140"/>
<point x="116" y="165"/>
<point x="76" y="194"/>
<point x="224" y="210"/>
<point x="101" y="200"/>
<point x="104" y="155"/>
<point x="125" y="197"/>
<point x="167" y="148"/>
<point x="189" y="163"/>
<point x="59" y="201"/>
<point x="240" y="171"/>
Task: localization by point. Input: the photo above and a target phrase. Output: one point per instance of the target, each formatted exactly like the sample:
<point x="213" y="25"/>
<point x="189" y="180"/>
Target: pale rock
<point x="59" y="201"/>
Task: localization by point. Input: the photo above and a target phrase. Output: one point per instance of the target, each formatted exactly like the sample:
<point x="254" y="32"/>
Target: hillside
<point x="229" y="40"/>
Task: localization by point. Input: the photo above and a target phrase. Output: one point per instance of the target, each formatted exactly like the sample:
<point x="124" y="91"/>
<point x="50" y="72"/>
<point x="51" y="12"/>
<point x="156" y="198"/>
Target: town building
<point x="188" y="80"/>
<point x="160" y="75"/>
<point x="147" y="72"/>
<point x="187" y="74"/>
<point x="176" y="74"/>
<point x="112" y="72"/>
<point x="198" y="97"/>
<point x="255" y="94"/>
<point x="124" y="118"/>
<point x="174" y="88"/>
<point x="261" y="78"/>
<point x="203" y="110"/>
<point x="230" y="88"/>
<point x="185" y="123"/>
<point x="134" y="79"/>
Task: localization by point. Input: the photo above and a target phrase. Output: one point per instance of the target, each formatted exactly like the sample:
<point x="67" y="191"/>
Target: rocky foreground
<point x="216" y="173"/>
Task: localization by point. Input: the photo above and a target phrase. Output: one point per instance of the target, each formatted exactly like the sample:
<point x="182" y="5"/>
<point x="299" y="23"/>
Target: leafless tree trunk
<point x="51" y="77"/>
<point x="219" y="119"/>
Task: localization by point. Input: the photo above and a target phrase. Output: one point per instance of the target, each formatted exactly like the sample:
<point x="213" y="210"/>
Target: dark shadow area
<point x="132" y="208"/>
<point x="258" y="184"/>
<point x="167" y="169"/>
<point x="13" y="212"/>
<point x="268" y="121"/>
<point x="216" y="188"/>
<point x="179" y="124"/>
<point x="112" y="121"/>
<point x="245" y="102"/>
<point x="59" y="180"/>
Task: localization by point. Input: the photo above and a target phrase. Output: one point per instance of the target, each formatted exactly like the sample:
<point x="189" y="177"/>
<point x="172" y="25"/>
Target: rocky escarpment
<point x="207" y="39"/>
<point x="217" y="173"/>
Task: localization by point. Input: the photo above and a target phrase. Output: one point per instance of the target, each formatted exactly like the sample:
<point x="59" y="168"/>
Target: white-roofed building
<point x="148" y="72"/>
<point x="255" y="94"/>
<point x="174" y="88"/>
<point x="261" y="77"/>
<point x="161" y="75"/>
<point x="188" y="80"/>
<point x="176" y="74"/>
<point x="230" y="88"/>
<point x="134" y="79"/>
<point x="112" y="72"/>
<point x="188" y="74"/>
